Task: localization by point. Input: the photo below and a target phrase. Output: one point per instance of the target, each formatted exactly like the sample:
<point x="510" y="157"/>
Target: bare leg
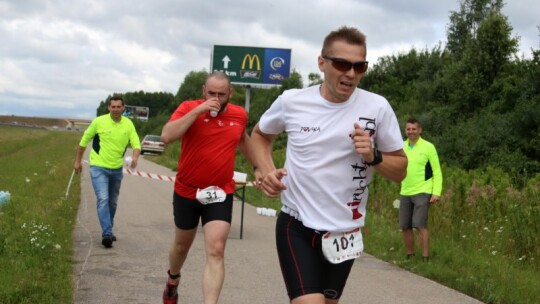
<point x="215" y="236"/>
<point x="408" y="239"/>
<point x="424" y="241"/>
<point x="183" y="239"/>
<point x="312" y="298"/>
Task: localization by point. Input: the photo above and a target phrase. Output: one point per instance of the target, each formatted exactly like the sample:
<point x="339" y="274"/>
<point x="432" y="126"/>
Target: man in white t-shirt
<point x="338" y="135"/>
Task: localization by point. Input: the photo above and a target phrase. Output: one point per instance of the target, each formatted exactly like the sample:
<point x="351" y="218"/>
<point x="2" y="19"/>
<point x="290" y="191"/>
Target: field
<point x="36" y="225"/>
<point x="32" y="121"/>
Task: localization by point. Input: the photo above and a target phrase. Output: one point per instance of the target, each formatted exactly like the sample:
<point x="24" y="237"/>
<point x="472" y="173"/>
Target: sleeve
<point x="437" y="172"/>
<point x="88" y="134"/>
<point x="134" y="140"/>
<point x="272" y="121"/>
<point x="182" y="110"/>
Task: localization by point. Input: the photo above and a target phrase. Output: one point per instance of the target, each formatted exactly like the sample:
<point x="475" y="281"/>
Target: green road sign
<point x="252" y="65"/>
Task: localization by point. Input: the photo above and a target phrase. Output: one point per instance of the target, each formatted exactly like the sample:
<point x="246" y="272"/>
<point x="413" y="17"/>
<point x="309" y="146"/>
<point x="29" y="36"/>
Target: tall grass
<point x="485" y="236"/>
<point x="36" y="225"/>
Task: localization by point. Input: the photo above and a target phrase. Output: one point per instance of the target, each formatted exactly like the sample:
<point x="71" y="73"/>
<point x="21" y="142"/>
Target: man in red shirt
<point x="210" y="130"/>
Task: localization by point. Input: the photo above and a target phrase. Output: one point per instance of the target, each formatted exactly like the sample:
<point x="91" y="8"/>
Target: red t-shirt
<point x="208" y="149"/>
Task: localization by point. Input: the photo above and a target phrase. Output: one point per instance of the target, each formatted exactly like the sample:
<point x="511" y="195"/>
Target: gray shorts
<point x="413" y="211"/>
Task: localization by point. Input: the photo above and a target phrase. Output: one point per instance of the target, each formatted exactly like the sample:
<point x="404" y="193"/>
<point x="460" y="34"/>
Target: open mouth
<point x="346" y="85"/>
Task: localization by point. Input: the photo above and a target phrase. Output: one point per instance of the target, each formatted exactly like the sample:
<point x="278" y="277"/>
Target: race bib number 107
<point x="338" y="247"/>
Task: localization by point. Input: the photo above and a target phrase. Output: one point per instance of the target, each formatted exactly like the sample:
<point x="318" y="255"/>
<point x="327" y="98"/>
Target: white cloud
<point x="62" y="58"/>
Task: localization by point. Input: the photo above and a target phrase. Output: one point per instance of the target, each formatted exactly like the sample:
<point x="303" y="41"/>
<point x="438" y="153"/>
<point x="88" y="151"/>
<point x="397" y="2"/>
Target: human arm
<point x="262" y="149"/>
<point x="77" y="164"/>
<point x="175" y="129"/>
<point x="88" y="135"/>
<point x="135" y="157"/>
<point x="246" y="148"/>
<point x="394" y="164"/>
<point x="437" y="176"/>
<point x="135" y="144"/>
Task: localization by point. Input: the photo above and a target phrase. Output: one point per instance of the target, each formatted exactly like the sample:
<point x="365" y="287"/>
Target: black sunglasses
<point x="345" y="65"/>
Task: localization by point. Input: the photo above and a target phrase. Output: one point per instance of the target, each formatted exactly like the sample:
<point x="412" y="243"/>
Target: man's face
<point x="116" y="108"/>
<point x="218" y="88"/>
<point x="413" y="131"/>
<point x="339" y="85"/>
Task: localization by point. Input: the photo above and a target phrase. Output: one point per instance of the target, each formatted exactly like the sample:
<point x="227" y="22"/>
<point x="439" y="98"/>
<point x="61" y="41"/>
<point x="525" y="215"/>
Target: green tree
<point x="294" y="81"/>
<point x="480" y="54"/>
<point x="464" y="23"/>
<point x="191" y="87"/>
<point x="314" y="79"/>
<point x="157" y="102"/>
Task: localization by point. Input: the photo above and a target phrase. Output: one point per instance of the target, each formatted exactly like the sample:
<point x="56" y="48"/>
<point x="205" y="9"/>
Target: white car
<point x="152" y="143"/>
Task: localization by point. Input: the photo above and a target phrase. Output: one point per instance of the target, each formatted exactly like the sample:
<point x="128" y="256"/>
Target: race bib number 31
<point x="212" y="194"/>
<point x="338" y="247"/>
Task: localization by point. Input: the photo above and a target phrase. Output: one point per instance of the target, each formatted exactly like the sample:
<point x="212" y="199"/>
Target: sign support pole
<point x="248" y="97"/>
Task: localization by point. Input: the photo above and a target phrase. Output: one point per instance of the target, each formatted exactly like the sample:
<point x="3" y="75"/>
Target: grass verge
<point x="36" y="225"/>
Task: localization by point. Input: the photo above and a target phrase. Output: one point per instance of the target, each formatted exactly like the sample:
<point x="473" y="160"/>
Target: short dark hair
<point x="413" y="120"/>
<point x="116" y="97"/>
<point x="350" y="35"/>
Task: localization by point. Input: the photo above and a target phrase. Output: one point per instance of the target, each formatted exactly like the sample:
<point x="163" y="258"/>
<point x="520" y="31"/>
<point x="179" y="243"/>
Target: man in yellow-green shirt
<point x="421" y="187"/>
<point x="111" y="134"/>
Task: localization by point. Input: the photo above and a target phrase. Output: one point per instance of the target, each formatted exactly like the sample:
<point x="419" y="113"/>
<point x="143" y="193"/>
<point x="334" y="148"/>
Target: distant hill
<point x="37" y="121"/>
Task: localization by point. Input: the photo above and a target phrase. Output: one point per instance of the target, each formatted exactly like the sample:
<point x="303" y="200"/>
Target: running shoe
<point x="170" y="294"/>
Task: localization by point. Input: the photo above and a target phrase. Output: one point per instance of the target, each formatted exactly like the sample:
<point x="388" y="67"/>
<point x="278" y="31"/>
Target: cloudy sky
<point x="61" y="58"/>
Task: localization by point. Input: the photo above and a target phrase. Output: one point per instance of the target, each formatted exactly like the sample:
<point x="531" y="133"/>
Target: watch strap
<point x="377" y="158"/>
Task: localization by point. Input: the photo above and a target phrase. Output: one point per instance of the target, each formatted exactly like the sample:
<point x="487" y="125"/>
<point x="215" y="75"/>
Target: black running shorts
<point x="303" y="266"/>
<point x="187" y="211"/>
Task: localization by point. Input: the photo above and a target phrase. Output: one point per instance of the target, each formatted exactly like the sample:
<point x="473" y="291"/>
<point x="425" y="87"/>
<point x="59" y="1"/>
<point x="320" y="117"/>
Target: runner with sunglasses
<point x="338" y="136"/>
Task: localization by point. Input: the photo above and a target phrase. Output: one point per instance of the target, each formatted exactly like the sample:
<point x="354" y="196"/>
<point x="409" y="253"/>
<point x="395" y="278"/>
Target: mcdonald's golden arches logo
<point x="250" y="72"/>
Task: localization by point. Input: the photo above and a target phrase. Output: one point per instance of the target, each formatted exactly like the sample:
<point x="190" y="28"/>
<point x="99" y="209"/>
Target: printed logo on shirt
<point x="360" y="172"/>
<point x="310" y="129"/>
<point x="368" y="124"/>
<point x="354" y="205"/>
<point x="360" y="179"/>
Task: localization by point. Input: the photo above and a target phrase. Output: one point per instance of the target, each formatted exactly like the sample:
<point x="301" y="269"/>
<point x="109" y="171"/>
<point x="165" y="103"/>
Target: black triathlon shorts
<point x="188" y="211"/>
<point x="304" y="268"/>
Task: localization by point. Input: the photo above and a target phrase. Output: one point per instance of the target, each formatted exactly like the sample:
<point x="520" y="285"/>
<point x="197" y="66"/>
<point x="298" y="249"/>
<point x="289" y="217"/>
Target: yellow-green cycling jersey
<point x="423" y="170"/>
<point x="110" y="141"/>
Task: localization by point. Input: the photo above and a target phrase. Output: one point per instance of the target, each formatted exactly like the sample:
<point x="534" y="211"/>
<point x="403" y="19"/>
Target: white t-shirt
<point x="327" y="181"/>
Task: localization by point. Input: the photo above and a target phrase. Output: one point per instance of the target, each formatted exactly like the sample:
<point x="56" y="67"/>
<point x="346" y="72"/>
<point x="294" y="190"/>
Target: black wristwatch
<point x="377" y="158"/>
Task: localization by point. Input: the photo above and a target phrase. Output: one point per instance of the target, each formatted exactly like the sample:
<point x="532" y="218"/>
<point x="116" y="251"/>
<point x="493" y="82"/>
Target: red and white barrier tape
<point x="169" y="178"/>
<point x="173" y="178"/>
<point x="149" y="175"/>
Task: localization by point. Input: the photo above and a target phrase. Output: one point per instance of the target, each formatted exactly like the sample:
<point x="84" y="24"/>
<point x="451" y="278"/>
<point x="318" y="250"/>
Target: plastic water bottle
<point x="127" y="161"/>
<point x="213" y="113"/>
<point x="266" y="211"/>
<point x="4" y="197"/>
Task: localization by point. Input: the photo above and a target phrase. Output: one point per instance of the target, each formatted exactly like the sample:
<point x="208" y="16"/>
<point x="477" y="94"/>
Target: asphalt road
<point x="134" y="270"/>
